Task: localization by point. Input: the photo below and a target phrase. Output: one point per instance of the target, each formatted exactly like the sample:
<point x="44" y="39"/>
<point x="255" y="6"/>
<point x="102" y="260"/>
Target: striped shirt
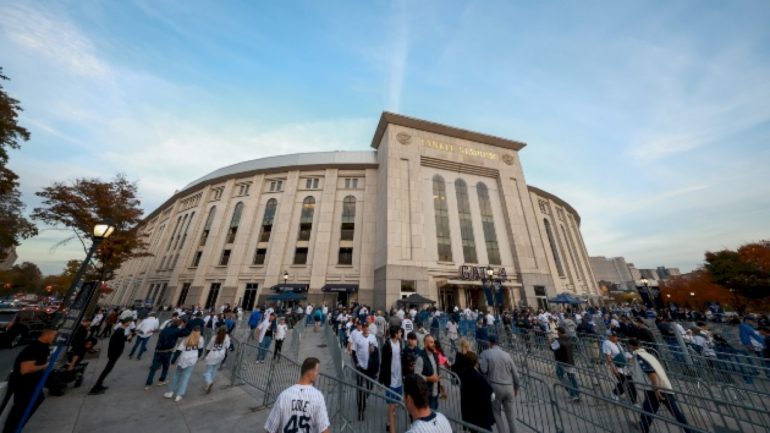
<point x="299" y="408"/>
<point x="433" y="423"/>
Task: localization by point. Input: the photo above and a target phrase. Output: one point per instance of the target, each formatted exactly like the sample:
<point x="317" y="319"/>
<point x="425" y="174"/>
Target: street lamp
<point x="102" y="230"/>
<point x="692" y="293"/>
<point x="285" y="277"/>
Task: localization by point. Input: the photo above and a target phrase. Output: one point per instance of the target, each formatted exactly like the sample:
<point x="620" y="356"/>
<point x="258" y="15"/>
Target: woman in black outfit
<point x="476" y="396"/>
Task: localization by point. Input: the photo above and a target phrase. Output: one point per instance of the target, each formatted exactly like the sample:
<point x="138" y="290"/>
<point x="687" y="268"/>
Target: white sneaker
<point x="614" y="397"/>
<point x="178" y="398"/>
<point x="168" y="394"/>
<point x="147" y="387"/>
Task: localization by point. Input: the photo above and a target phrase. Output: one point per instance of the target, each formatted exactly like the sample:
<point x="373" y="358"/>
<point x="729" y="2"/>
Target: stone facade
<point x="388" y="248"/>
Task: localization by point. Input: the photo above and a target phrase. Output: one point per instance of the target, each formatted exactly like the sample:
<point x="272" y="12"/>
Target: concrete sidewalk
<point x="127" y="407"/>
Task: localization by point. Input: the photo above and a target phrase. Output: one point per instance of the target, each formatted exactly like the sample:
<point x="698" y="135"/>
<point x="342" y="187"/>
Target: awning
<point x="416" y="299"/>
<point x="340" y="288"/>
<point x="287" y="297"/>
<point x="287" y="287"/>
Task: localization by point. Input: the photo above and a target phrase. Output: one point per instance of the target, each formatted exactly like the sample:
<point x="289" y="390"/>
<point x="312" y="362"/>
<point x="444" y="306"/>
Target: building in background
<point x="430" y="210"/>
<point x="9" y="259"/>
<point x="613" y="270"/>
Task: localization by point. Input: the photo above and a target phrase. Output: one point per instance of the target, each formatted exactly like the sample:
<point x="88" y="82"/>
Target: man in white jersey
<point x="407" y="326"/>
<point x="416" y="401"/>
<point x="300" y="407"/>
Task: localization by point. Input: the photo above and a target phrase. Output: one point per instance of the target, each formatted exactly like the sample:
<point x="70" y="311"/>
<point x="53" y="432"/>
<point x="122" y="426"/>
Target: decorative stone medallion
<point x="508" y="158"/>
<point x="403" y="138"/>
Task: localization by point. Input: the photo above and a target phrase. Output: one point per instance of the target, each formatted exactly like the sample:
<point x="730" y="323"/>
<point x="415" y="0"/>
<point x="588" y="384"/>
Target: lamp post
<point x="285" y="277"/>
<point x="102" y="230"/>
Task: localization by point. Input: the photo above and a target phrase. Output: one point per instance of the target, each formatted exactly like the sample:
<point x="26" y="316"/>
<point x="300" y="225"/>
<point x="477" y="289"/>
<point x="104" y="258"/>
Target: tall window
<point x="488" y="224"/>
<point x="443" y="240"/>
<point x="207" y="226"/>
<point x="466" y="223"/>
<point x="183" y="294"/>
<point x="249" y="296"/>
<point x="348" y="218"/>
<point x="570" y="250"/>
<point x="184" y="236"/>
<point x="197" y="259"/>
<point x="225" y="259"/>
<point x="234" y="222"/>
<point x="171" y="239"/>
<point x="306" y="219"/>
<point x="179" y="233"/>
<point x="554" y="250"/>
<point x="211" y="300"/>
<point x="267" y="220"/>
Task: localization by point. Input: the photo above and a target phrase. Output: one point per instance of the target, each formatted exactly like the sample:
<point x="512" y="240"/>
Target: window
<point x="179" y="233"/>
<point x="488" y="224"/>
<point x="466" y="223"/>
<point x="259" y="256"/>
<point x="345" y="256"/>
<point x="443" y="239"/>
<point x="306" y="219"/>
<point x="211" y="299"/>
<point x="311" y="183"/>
<point x="197" y="259"/>
<point x="267" y="220"/>
<point x="348" y="218"/>
<point x="542" y="299"/>
<point x="225" y="259"/>
<point x="176" y="259"/>
<point x="207" y="226"/>
<point x="571" y="250"/>
<point x="554" y="250"/>
<point x="162" y="263"/>
<point x="183" y="294"/>
<point x="300" y="256"/>
<point x="243" y="188"/>
<point x="249" y="296"/>
<point x="218" y="192"/>
<point x="171" y="239"/>
<point x="184" y="236"/>
<point x="276" y="185"/>
<point x="351" y="183"/>
<point x="234" y="222"/>
<point x="161" y="300"/>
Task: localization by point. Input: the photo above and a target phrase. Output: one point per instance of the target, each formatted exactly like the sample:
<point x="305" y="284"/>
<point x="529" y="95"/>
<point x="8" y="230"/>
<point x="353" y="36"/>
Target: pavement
<point x="127" y="407"/>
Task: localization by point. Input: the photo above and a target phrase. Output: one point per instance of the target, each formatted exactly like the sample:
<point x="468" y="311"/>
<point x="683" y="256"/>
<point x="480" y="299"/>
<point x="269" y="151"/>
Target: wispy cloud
<point x="398" y="53"/>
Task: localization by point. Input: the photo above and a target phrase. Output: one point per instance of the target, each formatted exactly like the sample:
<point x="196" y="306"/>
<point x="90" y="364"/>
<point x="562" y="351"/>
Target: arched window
<point x="554" y="249"/>
<point x="572" y="252"/>
<point x="173" y="233"/>
<point x="306" y="219"/>
<point x="234" y="222"/>
<point x="488" y="224"/>
<point x="267" y="220"/>
<point x="207" y="226"/>
<point x="184" y="236"/>
<point x="179" y="233"/>
<point x="466" y="223"/>
<point x="443" y="236"/>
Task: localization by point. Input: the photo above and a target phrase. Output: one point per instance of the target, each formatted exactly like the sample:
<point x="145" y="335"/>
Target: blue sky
<point x="651" y="118"/>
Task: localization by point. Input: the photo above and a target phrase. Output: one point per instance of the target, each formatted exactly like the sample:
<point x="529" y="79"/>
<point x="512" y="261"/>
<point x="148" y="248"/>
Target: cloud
<point x="52" y="37"/>
<point x="399" y="51"/>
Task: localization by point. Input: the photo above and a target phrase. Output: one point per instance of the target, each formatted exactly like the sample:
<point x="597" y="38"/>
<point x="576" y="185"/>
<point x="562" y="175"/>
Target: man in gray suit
<point x="500" y="371"/>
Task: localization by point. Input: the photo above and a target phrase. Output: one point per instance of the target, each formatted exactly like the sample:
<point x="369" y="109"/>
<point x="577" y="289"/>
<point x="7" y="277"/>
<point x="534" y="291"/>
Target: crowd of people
<point x="401" y="349"/>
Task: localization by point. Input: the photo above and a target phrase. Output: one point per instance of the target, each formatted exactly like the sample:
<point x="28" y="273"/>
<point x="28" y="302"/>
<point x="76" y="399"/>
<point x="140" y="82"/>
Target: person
<point x="266" y="331"/>
<point x="750" y="337"/>
<point x="425" y="420"/>
<point x="96" y="323"/>
<point x="317" y="319"/>
<point x="652" y="377"/>
<point x="382" y="326"/>
<point x="217" y="350"/>
<point x="407" y="325"/>
<point x="28" y="370"/>
<point x="499" y="369"/>
<point x="461" y="360"/>
<point x="452" y="331"/>
<point x="308" y="314"/>
<point x="164" y="349"/>
<point x="147" y="327"/>
<point x="427" y="366"/>
<point x="109" y="324"/>
<point x="364" y="346"/>
<point x="300" y="407"/>
<point x="482" y="336"/>
<point x="391" y="375"/>
<point x="617" y="359"/>
<point x="114" y="351"/>
<point x="564" y="354"/>
<point x="254" y="319"/>
<point x="411" y="351"/>
<point x="280" y="334"/>
<point x="190" y="347"/>
<point x="476" y="395"/>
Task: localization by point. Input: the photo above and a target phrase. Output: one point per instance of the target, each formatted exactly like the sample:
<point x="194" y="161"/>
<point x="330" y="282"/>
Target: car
<point x="21" y="326"/>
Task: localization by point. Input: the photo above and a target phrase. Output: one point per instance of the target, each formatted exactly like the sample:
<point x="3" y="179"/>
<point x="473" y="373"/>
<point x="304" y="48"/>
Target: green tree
<point x="747" y="270"/>
<point x="85" y="202"/>
<point x="25" y="278"/>
<point x="59" y="284"/>
<point x="13" y="225"/>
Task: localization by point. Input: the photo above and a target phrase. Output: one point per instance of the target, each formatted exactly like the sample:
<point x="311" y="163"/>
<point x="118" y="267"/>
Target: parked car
<point x="21" y="326"/>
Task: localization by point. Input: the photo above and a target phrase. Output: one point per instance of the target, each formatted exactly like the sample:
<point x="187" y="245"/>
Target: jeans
<point x="651" y="406"/>
<point x="181" y="379"/>
<point x="571" y="385"/>
<point x="159" y="360"/>
<point x="141" y="343"/>
<point x="278" y="346"/>
<point x="210" y="373"/>
<point x="264" y="346"/>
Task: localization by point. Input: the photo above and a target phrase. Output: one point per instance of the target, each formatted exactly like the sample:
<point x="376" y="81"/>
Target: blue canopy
<point x="287" y="297"/>
<point x="566" y="298"/>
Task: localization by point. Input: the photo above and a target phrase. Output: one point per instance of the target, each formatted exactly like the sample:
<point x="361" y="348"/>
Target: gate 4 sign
<point x="478" y="273"/>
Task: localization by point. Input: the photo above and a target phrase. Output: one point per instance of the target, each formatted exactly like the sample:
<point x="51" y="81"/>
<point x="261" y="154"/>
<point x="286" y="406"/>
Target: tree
<point x="677" y="289"/>
<point x="59" y="284"/>
<point x="25" y="278"/>
<point x="85" y="202"/>
<point x="13" y="225"/>
<point x="747" y="270"/>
